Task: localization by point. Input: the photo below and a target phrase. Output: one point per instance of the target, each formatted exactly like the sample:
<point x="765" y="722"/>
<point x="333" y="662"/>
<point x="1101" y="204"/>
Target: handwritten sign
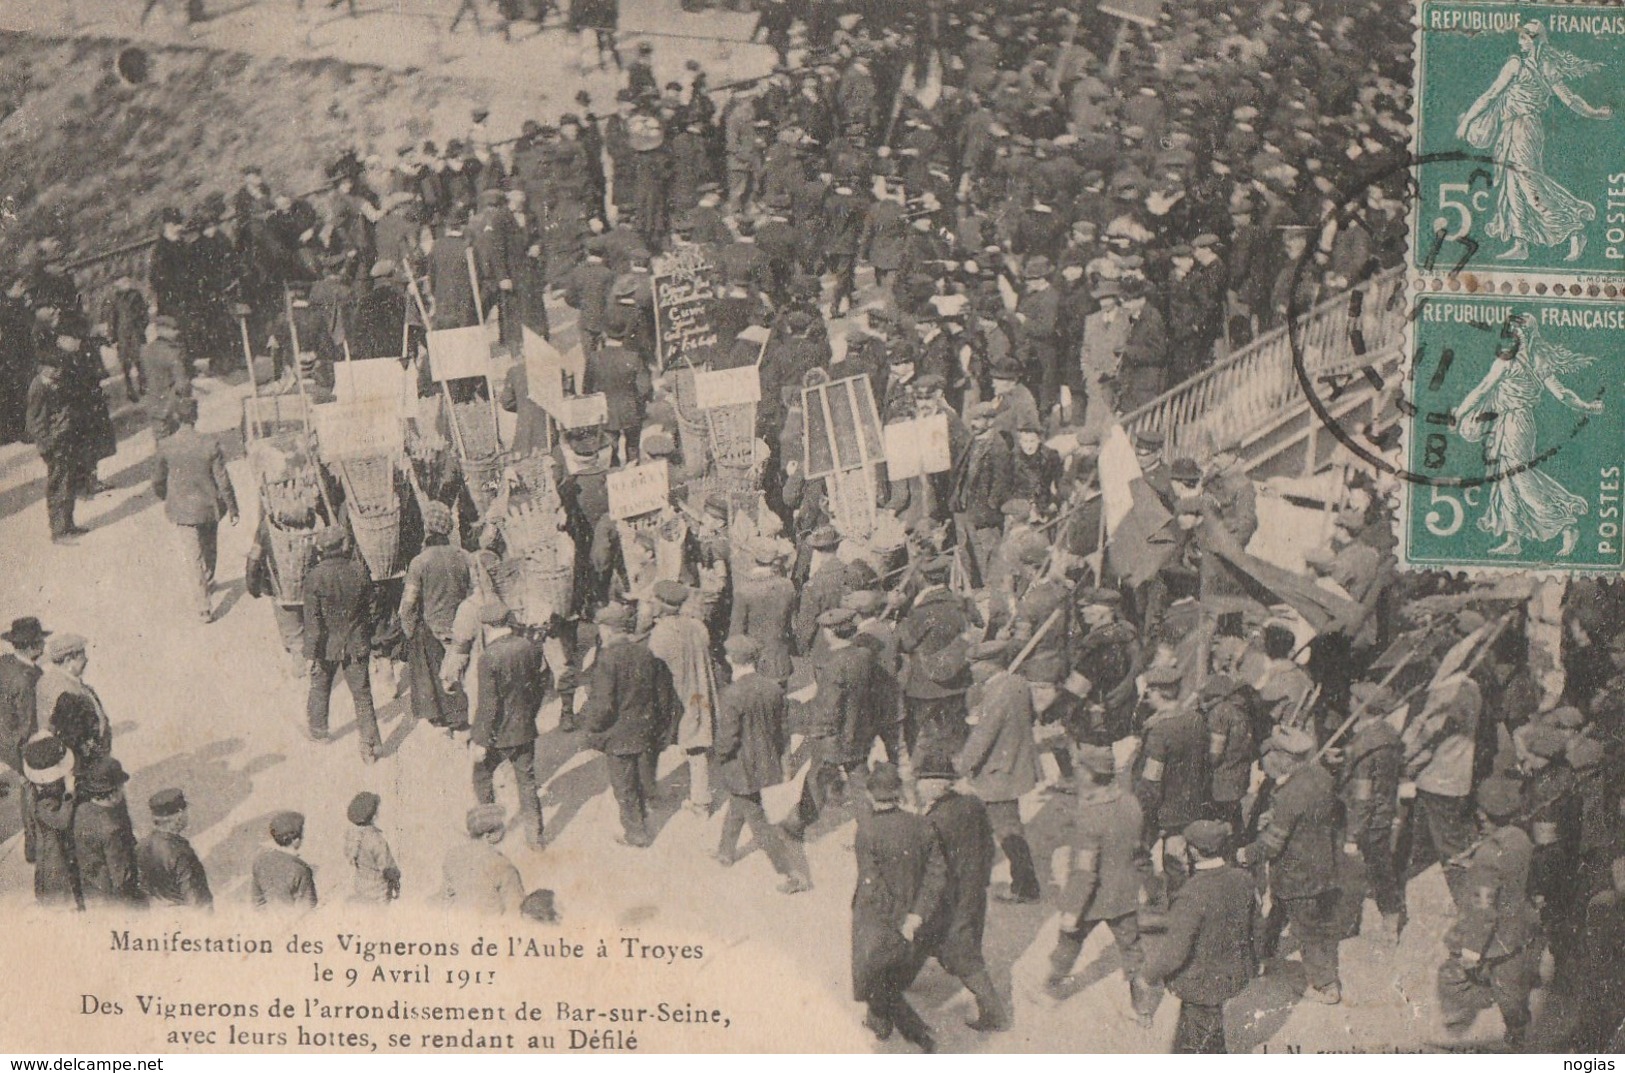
<point x="359" y="428"/>
<point x="370" y="378"/>
<point x="582" y="411"/>
<point x="685" y="288"/>
<point x="727" y="387"/>
<point x="638" y="489"/>
<point x="455" y="353"/>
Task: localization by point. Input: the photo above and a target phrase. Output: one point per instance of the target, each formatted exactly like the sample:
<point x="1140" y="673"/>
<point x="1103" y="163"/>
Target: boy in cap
<point x="168" y="867"/>
<point x="377" y="879"/>
<point x="1103" y="883"/>
<point x="281" y="878"/>
<point x="476" y="877"/>
<point x="749" y="754"/>
<point x="902" y="879"/>
<point x="1207" y="956"/>
<point x="104" y="840"/>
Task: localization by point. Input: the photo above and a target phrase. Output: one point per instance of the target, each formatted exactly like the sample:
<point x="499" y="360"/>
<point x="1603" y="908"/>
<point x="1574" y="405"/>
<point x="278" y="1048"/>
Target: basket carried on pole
<point x="372" y="494"/>
<point x="291" y="551"/>
<point x="537" y="586"/>
<point x="692" y="427"/>
<point x="733" y="434"/>
<point x="852" y="501"/>
<point x="481" y="449"/>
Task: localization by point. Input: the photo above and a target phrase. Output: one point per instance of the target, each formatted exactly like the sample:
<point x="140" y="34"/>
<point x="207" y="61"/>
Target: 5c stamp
<point x="1522" y="154"/>
<point x="1516" y="431"/>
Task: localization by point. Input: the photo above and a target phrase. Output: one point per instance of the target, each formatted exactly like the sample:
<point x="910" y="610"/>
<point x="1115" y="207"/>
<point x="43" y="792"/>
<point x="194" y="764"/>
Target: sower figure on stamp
<point x="1531" y="206"/>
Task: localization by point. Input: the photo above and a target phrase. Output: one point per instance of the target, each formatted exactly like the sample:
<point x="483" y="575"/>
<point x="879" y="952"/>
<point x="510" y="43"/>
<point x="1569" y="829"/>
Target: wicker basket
<point x="370" y="485"/>
<point x="535" y="589"/>
<point x="733" y="434"/>
<point x="852" y="502"/>
<point x="483" y="476"/>
<point x="692" y="429"/>
<point x="290" y="554"/>
<point x="378" y="536"/>
<point x="476" y="428"/>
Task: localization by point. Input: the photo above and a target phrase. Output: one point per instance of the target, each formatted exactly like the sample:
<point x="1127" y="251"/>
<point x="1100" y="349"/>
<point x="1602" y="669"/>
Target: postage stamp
<point x="1520" y="141"/>
<point x="1515" y="438"/>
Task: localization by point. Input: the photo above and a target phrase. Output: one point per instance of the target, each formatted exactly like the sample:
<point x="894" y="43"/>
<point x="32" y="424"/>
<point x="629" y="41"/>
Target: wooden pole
<point x="248" y="356"/>
<point x="310" y="433"/>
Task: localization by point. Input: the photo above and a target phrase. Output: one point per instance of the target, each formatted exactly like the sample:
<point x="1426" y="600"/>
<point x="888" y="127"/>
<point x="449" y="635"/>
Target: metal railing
<point x="1256" y="387"/>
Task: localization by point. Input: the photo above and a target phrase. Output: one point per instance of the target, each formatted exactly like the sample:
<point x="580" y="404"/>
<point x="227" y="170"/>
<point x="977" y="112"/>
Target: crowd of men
<point x="1033" y="223"/>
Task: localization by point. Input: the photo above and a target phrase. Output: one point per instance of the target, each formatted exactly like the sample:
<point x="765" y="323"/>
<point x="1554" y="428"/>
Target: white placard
<point x="360" y="428"/>
<point x="583" y="411"/>
<point x="370" y="378"/>
<point x="902" y="451"/>
<point x="727" y="387"/>
<point x="936" y="455"/>
<point x="455" y="353"/>
<point x="638" y="489"/>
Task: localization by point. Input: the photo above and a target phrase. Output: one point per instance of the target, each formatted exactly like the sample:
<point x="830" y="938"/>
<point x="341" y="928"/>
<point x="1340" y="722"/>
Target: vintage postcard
<point x="546" y="527"/>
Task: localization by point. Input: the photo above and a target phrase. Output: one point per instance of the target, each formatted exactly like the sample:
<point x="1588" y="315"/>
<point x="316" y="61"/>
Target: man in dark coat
<point x="902" y="880"/>
<point x="510" y="688"/>
<point x="629" y="717"/>
<point x="19" y="678"/>
<point x="51" y="428"/>
<point x="169" y="870"/>
<point x="762" y="604"/>
<point x="936" y="674"/>
<point x="189" y="476"/>
<point x="1207" y="955"/>
<point x="1000" y="760"/>
<point x="1302" y="847"/>
<point x="338" y="617"/>
<point x="953" y="935"/>
<point x="1370" y="781"/>
<point x="1174" y="778"/>
<point x="981" y="485"/>
<point x="586" y="290"/>
<point x="843" y="716"/>
<point x="617" y="371"/>
<point x="281" y="878"/>
<point x="104" y="840"/>
<point x="1104" y="881"/>
<point x="748" y="751"/>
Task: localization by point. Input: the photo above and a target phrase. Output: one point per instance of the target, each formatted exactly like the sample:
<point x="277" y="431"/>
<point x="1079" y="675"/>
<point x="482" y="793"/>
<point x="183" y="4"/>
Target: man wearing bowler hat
<point x="1207" y="955"/>
<point x="510" y="681"/>
<point x="169" y="870"/>
<point x="19" y="678"/>
<point x="104" y="840"/>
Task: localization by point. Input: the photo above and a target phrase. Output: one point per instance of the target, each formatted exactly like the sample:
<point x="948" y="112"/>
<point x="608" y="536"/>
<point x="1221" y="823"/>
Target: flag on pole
<point x="1139" y="532"/>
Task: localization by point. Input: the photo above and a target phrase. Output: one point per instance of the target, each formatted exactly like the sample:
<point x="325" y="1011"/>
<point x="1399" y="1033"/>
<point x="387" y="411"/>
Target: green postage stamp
<point x="1515" y="442"/>
<point x="1520" y="140"/>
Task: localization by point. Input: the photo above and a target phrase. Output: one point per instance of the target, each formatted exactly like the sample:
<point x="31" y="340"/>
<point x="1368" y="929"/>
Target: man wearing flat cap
<point x="1208" y="955"/>
<point x="629" y="717"/>
<point x="763" y="607"/>
<point x="338" y="638"/>
<point x="510" y="676"/>
<point x="1370" y="782"/>
<point x="281" y="878"/>
<point x="902" y="879"/>
<point x="953" y="935"/>
<point x="749" y="754"/>
<point x="1103" y="881"/>
<point x="842" y="718"/>
<point x="1302" y="847"/>
<point x="1174" y="775"/>
<point x="683" y="644"/>
<point x="189" y="476"/>
<point x="438" y="580"/>
<point x="476" y="877"/>
<point x="169" y="870"/>
<point x="1495" y="943"/>
<point x="936" y="673"/>
<point x="980" y="487"/>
